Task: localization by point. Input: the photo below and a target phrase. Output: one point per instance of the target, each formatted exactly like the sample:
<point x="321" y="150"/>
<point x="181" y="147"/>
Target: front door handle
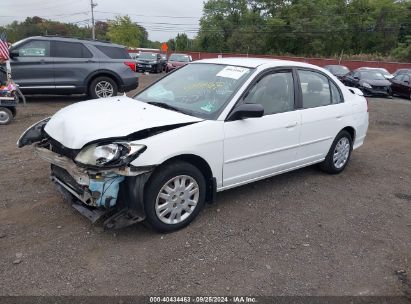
<point x="292" y="125"/>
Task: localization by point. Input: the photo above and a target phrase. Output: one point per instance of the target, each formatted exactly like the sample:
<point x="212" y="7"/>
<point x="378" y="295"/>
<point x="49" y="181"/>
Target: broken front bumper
<point x="114" y="192"/>
<point x="96" y="189"/>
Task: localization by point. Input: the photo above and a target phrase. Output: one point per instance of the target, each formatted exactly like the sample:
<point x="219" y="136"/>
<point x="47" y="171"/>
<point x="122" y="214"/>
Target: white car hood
<point x="84" y="122"/>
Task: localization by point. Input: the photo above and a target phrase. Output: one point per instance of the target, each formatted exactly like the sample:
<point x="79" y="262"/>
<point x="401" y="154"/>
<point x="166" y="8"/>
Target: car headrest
<point x="314" y="85"/>
<point x="277" y="86"/>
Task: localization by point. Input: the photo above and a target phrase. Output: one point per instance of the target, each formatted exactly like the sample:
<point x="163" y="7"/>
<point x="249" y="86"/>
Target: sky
<point x="163" y="19"/>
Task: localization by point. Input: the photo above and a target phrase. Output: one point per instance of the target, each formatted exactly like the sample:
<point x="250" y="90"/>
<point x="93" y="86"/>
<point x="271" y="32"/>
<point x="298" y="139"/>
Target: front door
<point x="32" y="69"/>
<point x="259" y="147"/>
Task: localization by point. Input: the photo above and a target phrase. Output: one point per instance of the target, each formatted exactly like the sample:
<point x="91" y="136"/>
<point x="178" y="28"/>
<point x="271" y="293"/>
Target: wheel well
<point x="114" y="78"/>
<point x="13" y="110"/>
<point x="351" y="131"/>
<point x="204" y="167"/>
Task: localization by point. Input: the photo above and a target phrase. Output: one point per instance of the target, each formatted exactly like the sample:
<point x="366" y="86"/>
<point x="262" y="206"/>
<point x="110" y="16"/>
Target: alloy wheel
<point x="104" y="89"/>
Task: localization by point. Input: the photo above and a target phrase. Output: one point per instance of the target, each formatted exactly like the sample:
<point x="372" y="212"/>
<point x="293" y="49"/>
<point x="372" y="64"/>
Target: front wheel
<point x="103" y="87"/>
<point x="174" y="196"/>
<point x="339" y="154"/>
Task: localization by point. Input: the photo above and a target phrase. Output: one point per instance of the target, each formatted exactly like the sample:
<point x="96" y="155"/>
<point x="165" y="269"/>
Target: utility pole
<point x="93" y="31"/>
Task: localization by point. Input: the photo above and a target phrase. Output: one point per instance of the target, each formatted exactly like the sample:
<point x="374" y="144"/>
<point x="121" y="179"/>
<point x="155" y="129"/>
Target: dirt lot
<point x="301" y="233"/>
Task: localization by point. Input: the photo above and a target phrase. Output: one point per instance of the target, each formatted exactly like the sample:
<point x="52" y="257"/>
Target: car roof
<point x="68" y="39"/>
<point x="335" y="65"/>
<point x="250" y="62"/>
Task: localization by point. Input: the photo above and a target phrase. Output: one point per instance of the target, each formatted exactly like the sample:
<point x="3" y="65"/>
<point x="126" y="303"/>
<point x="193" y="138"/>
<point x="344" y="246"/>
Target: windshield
<point x="179" y="57"/>
<point x="372" y="76"/>
<point x="147" y="56"/>
<point x="382" y="71"/>
<point x="338" y="69"/>
<point x="201" y="90"/>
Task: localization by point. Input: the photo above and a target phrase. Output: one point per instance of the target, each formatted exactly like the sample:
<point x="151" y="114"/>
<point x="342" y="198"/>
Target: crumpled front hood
<point x="84" y="122"/>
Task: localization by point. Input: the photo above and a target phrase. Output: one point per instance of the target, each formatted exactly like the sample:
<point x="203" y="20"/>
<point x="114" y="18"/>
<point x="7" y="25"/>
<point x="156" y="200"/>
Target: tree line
<point x="307" y="27"/>
<point x="326" y="28"/>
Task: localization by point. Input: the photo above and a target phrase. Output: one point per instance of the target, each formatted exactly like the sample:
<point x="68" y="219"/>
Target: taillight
<point x="131" y="65"/>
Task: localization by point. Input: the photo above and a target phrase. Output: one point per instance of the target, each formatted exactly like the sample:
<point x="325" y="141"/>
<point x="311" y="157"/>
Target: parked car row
<point x="156" y="63"/>
<point x="375" y="81"/>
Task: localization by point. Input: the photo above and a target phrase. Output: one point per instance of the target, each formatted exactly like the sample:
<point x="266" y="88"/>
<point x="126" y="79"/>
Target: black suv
<point x="56" y="65"/>
<point x="150" y="62"/>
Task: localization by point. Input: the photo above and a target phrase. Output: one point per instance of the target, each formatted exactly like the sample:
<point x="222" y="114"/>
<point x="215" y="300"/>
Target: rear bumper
<point x="152" y="68"/>
<point x="129" y="84"/>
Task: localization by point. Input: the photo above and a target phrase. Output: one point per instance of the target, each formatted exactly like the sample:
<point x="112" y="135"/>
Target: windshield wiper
<point x="165" y="106"/>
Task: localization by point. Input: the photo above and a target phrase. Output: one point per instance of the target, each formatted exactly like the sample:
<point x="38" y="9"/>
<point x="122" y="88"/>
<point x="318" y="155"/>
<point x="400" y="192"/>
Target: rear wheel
<point x="103" y="87"/>
<point x="339" y="154"/>
<point x="5" y="116"/>
<point x="174" y="196"/>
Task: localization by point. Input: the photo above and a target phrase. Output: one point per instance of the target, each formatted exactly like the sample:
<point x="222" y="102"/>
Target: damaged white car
<point x="207" y="127"/>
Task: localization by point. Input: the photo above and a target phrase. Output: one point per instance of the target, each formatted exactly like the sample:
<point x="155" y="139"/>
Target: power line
<point x="149" y="16"/>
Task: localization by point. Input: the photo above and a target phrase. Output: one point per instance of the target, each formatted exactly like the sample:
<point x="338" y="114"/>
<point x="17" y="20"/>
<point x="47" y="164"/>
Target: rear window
<point x="70" y="50"/>
<point x="114" y="52"/>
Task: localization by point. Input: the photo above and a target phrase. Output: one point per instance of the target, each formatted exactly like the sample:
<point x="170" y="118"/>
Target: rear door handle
<point x="292" y="125"/>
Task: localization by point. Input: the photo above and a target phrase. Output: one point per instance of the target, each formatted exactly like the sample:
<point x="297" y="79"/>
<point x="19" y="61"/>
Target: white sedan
<point x="210" y="126"/>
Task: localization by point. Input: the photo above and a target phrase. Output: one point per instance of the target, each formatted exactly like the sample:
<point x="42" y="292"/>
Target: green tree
<point x="124" y="31"/>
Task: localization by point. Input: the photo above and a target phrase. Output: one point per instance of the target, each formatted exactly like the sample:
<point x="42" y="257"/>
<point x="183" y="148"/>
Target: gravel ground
<point x="301" y="233"/>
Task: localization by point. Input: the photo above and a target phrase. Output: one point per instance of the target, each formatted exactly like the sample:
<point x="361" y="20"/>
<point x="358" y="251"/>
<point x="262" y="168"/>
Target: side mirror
<point x="246" y="110"/>
<point x="14" y="53"/>
<point x="356" y="78"/>
<point x="406" y="81"/>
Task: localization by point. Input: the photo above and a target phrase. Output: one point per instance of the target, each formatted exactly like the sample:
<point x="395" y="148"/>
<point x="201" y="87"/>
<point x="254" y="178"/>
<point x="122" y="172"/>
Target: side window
<point x="35" y="48"/>
<point x="315" y="88"/>
<point x="406" y="78"/>
<point x="399" y="78"/>
<point x="114" y="52"/>
<point x="335" y="93"/>
<point x="64" y="49"/>
<point x="275" y="92"/>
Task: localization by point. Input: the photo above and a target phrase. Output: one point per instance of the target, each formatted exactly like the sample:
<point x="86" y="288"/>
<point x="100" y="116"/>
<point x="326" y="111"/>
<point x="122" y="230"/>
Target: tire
<point x="336" y="165"/>
<point x="6" y="116"/>
<point x="171" y="202"/>
<point x="103" y="87"/>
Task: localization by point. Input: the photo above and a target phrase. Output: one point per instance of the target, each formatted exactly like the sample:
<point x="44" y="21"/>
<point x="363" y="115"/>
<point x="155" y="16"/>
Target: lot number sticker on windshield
<point x="232" y="72"/>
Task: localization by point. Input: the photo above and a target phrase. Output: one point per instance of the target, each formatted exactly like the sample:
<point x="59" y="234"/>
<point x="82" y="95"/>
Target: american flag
<point x="4" y="48"/>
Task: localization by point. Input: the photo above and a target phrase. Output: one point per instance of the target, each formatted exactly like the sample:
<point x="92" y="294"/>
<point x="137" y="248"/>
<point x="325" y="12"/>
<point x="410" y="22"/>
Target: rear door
<point x="32" y="69"/>
<point x="322" y="116"/>
<point x="73" y="63"/>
